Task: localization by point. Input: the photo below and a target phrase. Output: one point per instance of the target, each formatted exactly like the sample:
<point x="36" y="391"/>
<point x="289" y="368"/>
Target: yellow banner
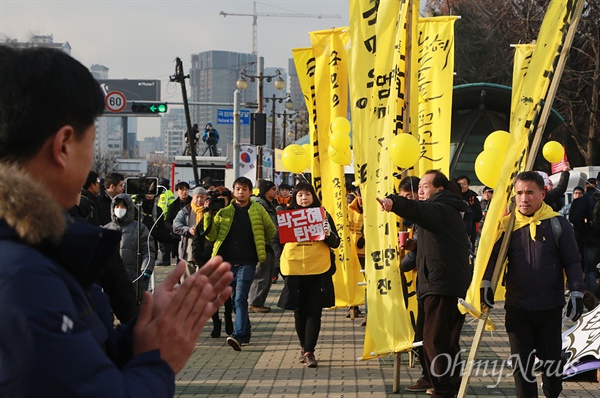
<point x="434" y="85"/>
<point x="523" y="124"/>
<point x="378" y="85"/>
<point x="522" y="59"/>
<point x="331" y="99"/>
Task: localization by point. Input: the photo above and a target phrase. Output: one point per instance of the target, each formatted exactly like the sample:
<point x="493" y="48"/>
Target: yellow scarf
<point x="545" y="212"/>
<point x="198" y="210"/>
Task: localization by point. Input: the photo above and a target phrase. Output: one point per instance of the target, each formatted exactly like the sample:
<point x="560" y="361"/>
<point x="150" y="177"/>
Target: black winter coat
<point x="443" y="255"/>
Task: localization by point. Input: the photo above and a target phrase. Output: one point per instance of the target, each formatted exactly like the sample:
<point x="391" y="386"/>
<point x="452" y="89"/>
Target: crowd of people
<point x="79" y="231"/>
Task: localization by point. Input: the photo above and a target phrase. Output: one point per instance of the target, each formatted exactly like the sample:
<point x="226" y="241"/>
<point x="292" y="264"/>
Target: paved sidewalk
<point x="269" y="366"/>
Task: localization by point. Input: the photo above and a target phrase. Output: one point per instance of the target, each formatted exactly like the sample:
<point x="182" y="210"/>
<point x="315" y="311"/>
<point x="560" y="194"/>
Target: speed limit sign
<point x="115" y="101"/>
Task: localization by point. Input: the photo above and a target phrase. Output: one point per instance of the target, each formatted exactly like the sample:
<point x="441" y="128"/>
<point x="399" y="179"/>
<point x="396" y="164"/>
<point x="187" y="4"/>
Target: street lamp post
<point x="242" y="84"/>
<point x="297" y="119"/>
<point x="286" y="116"/>
<point x="289" y="104"/>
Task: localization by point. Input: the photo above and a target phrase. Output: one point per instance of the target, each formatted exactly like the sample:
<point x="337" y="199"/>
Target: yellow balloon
<point x="553" y="151"/>
<point x="497" y="140"/>
<point x="341" y="158"/>
<point x="308" y="150"/>
<point x="340" y="124"/>
<point x="340" y="141"/>
<point x="488" y="165"/>
<point x="294" y="158"/>
<point x="404" y="150"/>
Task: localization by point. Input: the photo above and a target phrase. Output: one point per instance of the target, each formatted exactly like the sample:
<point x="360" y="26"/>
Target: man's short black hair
<point x="113" y="179"/>
<point x="42" y="90"/>
<point x="532" y="176"/>
<point x="243" y="181"/>
<point x="410" y="184"/>
<point x="181" y="185"/>
<point x="463" y="177"/>
<point x="91" y="179"/>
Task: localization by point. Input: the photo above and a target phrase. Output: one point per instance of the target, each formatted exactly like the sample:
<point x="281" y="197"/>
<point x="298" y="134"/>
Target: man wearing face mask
<point x="122" y="213"/>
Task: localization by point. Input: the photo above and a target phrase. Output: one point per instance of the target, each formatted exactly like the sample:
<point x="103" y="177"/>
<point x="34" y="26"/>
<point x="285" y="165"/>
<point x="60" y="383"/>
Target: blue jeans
<point x="243" y="275"/>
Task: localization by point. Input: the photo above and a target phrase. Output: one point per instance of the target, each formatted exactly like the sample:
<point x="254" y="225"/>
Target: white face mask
<point x="120" y="212"/>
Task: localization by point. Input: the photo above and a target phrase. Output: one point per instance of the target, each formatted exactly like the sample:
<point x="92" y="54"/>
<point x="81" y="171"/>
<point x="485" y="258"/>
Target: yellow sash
<point x="545" y="212"/>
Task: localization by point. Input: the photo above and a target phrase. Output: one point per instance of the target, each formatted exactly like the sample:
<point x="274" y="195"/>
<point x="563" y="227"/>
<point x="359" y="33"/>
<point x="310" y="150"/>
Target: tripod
<point x="211" y="148"/>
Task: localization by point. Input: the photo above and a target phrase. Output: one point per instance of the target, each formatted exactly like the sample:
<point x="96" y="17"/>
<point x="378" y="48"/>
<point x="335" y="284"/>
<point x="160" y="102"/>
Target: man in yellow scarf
<point x="538" y="257"/>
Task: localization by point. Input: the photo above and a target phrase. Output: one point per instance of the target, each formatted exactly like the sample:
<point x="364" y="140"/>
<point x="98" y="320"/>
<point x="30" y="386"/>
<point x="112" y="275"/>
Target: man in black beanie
<point x="265" y="271"/>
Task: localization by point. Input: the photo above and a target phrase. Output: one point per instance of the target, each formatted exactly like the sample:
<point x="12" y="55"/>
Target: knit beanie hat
<point x="265" y="185"/>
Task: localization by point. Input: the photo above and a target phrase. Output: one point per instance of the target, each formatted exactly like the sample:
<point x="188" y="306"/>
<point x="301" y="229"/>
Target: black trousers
<point x="419" y="337"/>
<point x="441" y="333"/>
<point x="308" y="315"/>
<point x="531" y="334"/>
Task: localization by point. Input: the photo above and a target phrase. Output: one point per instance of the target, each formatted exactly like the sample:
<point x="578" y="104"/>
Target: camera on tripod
<point x="141" y="185"/>
<point x="216" y="203"/>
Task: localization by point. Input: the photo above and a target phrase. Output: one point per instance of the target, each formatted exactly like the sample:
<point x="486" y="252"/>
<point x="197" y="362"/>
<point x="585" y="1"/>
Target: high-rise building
<point x="212" y="80"/>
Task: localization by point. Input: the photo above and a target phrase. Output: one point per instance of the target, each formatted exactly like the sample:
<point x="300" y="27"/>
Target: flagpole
<point x="543" y="119"/>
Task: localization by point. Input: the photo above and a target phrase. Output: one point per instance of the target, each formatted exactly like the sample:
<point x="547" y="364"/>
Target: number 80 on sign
<point x="115" y="101"/>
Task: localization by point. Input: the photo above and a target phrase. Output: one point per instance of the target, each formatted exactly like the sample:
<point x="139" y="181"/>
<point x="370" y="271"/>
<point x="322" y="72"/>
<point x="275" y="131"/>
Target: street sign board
<point x="115" y="101"/>
<point x="132" y="90"/>
<point x="225" y="116"/>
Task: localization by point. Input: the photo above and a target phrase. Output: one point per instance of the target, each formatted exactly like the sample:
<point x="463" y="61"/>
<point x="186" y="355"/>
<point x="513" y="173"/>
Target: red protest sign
<point x="301" y="225"/>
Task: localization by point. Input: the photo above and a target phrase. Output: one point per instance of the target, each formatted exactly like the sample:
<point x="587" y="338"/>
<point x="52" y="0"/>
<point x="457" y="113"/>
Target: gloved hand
<point x="575" y="306"/>
<point x="326" y="227"/>
<point x="487" y="294"/>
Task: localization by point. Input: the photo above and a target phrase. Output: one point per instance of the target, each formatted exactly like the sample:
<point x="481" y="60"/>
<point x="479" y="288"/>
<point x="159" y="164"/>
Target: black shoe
<point x="309" y="360"/>
<point x="234" y="343"/>
<point x="216" y="332"/>
<point x="228" y="324"/>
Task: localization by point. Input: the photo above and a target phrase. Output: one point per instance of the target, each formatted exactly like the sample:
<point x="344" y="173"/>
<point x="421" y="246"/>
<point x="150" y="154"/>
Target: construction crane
<point x="255" y="16"/>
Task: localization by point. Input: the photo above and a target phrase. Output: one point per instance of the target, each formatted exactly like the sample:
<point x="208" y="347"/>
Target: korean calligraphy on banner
<point x="378" y="85"/>
<point x="434" y="84"/>
<point x="328" y="71"/>
<point x="301" y="225"/>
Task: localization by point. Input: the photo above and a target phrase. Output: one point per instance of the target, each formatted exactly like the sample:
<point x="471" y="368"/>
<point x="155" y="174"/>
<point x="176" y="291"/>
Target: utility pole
<point x="179" y="77"/>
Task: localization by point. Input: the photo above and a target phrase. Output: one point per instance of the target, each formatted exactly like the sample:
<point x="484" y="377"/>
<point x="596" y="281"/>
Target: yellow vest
<point x="305" y="258"/>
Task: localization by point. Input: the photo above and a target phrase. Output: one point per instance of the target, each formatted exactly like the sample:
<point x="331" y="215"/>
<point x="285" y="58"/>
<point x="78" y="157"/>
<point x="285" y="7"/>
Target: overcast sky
<point x="140" y="39"/>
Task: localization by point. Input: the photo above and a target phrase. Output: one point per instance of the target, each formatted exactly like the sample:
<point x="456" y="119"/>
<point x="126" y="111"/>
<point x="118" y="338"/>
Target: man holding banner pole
<point x="444" y="273"/>
<point x="542" y="249"/>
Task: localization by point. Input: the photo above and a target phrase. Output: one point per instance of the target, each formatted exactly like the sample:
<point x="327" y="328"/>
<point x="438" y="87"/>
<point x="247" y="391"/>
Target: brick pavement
<point x="269" y="366"/>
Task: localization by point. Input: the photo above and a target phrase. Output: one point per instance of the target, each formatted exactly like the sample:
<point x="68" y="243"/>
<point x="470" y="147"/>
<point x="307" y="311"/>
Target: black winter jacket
<point x="534" y="274"/>
<point x="443" y="255"/>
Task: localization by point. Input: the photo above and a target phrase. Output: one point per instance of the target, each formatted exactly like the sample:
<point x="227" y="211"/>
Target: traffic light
<point x="148" y="107"/>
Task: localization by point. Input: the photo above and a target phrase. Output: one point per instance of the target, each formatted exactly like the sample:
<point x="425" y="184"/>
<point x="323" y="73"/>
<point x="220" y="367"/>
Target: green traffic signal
<point x="148" y="107"/>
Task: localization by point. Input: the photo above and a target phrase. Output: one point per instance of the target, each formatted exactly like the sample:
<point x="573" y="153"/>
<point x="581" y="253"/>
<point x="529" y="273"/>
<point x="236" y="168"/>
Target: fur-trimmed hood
<point x="26" y="206"/>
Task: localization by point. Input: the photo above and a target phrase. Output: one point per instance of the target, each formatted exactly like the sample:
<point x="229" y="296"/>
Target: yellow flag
<point x="378" y="82"/>
<point x="523" y="124"/>
<point x="522" y="59"/>
<point x="331" y="101"/>
<point x="434" y="86"/>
